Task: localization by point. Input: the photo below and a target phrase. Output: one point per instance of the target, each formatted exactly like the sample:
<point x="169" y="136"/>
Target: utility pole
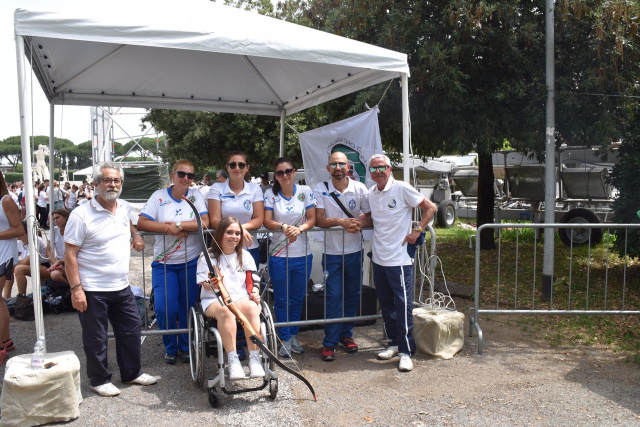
<point x="550" y="156"/>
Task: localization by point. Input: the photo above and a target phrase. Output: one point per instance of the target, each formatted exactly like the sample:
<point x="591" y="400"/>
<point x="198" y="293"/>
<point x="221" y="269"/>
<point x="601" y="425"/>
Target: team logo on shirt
<point x="165" y="202"/>
<point x="247" y="204"/>
<point x="391" y="204"/>
<point x="352" y="204"/>
<point x="301" y="197"/>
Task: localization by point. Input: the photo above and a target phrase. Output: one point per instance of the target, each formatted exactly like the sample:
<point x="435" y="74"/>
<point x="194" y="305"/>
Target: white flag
<point x="358" y="137"/>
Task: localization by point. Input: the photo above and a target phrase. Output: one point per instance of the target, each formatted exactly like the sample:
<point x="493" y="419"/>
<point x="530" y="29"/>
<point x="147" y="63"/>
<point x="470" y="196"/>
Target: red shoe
<point x="3" y="356"/>
<point x="8" y="345"/>
<point x="328" y="354"/>
<point x="349" y="344"/>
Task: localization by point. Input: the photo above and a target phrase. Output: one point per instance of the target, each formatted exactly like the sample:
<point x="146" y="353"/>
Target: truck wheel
<point x="580" y="236"/>
<point x="446" y="214"/>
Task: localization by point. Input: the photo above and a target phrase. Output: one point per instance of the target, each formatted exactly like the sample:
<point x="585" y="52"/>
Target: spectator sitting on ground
<point x="58" y="273"/>
<point x="23" y="269"/>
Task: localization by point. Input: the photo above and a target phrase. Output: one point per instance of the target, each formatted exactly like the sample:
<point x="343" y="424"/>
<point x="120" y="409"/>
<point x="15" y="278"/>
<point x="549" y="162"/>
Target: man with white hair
<point x="97" y="252"/>
<point x="392" y="203"/>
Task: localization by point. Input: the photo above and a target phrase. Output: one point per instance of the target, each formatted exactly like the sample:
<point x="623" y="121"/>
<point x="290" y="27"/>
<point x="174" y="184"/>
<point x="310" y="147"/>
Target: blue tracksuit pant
<point x="289" y="289"/>
<point x="174" y="302"/>
<point x="335" y="300"/>
<point x="394" y="286"/>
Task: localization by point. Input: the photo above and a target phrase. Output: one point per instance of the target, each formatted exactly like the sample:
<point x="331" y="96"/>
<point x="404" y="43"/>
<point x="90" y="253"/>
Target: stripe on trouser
<point x="406" y="319"/>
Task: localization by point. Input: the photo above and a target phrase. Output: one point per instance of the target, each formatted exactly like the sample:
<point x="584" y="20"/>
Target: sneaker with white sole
<point x="236" y="372"/>
<point x="390" y="352"/>
<point x="255" y="366"/>
<point x="285" y="349"/>
<point x="295" y="345"/>
<point x="106" y="390"/>
<point x="144" y="379"/>
<point x="405" y="364"/>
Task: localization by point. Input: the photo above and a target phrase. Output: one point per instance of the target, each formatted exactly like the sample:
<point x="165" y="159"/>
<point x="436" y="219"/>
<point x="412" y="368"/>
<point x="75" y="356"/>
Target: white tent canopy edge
<point x="195" y="55"/>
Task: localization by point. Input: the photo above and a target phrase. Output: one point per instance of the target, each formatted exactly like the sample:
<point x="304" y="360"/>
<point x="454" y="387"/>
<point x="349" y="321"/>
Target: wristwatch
<point x="301" y="230"/>
<point x="418" y="228"/>
<point x="179" y="225"/>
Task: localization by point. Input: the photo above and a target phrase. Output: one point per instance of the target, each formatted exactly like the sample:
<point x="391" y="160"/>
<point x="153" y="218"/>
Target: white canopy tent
<point x="191" y="55"/>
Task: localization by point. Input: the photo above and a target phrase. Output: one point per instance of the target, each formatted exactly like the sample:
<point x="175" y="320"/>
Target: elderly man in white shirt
<point x="392" y="203"/>
<point x="97" y="253"/>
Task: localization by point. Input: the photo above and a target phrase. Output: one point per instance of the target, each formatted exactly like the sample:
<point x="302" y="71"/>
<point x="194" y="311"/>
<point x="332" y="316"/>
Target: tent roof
<point x="195" y="55"/>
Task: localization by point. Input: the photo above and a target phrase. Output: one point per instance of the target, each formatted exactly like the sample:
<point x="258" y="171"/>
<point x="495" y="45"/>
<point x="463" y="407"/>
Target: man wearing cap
<point x="392" y="203"/>
<point x="340" y="201"/>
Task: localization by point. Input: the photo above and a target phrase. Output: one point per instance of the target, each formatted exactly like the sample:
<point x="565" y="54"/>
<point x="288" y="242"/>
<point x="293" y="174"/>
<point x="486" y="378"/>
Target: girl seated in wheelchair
<point x="235" y="265"/>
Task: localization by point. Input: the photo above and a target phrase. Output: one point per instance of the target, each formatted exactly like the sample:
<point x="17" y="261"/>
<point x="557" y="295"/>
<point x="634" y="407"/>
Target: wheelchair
<point x="205" y="342"/>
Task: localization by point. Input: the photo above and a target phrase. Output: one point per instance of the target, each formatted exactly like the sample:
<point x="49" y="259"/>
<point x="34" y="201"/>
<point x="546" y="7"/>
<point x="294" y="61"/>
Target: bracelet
<point x="282" y="226"/>
<point x="136" y="234"/>
<point x="418" y="228"/>
<point x="79" y="284"/>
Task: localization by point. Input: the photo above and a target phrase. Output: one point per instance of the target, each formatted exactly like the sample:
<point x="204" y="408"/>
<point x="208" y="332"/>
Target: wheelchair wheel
<point x="273" y="389"/>
<point x="196" y="361"/>
<point x="271" y="338"/>
<point x="214" y="398"/>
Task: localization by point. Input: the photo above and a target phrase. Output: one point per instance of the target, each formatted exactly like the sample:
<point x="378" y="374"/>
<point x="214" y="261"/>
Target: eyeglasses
<point x="287" y="172"/>
<point x="109" y="181"/>
<point x="382" y="168"/>
<point x="182" y="174"/>
<point x="341" y="165"/>
<point x="239" y="164"/>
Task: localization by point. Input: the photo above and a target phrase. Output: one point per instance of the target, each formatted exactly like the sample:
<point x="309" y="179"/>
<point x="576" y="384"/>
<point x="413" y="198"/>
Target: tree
<point x="478" y="76"/>
<point x="11" y="150"/>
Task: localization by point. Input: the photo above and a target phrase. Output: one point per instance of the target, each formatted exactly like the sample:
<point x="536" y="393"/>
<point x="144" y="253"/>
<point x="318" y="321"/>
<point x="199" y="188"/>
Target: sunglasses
<point x="287" y="172"/>
<point x="182" y="174"/>
<point x="239" y="164"/>
<point x="341" y="165"/>
<point x="373" y="169"/>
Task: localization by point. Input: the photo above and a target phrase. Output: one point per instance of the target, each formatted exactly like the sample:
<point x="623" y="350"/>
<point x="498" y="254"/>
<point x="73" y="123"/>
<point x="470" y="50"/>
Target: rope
<point x="384" y="93"/>
<point x="292" y="128"/>
<point x="440" y="301"/>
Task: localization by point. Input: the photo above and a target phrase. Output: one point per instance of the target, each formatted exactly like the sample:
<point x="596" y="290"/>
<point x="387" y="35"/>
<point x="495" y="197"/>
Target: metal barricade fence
<point x="596" y="283"/>
<point x="423" y="262"/>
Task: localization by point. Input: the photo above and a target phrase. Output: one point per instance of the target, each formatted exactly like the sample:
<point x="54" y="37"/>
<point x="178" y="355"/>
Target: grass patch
<point x="585" y="278"/>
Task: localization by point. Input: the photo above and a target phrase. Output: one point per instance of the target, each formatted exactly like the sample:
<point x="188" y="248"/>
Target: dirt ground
<point x="519" y="380"/>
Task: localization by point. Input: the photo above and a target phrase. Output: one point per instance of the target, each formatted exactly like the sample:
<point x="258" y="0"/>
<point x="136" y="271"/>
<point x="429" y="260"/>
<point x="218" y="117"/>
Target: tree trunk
<point x="485" y="199"/>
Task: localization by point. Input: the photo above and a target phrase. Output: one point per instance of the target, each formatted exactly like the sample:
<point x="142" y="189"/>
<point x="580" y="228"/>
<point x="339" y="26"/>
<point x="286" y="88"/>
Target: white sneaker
<point x="255" y="366"/>
<point x="387" y="354"/>
<point x="106" y="390"/>
<point x="144" y="379"/>
<point x="236" y="372"/>
<point x="405" y="364"/>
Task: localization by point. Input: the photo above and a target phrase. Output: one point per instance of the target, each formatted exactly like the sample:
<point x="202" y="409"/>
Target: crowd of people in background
<point x="235" y="208"/>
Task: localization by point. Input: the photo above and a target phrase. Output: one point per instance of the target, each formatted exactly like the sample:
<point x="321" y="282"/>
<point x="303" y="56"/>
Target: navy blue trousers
<point x="394" y="286"/>
<point x="119" y="308"/>
<point x="339" y="304"/>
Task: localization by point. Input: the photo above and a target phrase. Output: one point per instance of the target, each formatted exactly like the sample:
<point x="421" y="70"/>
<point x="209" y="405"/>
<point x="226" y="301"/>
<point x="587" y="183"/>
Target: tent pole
<point x="405" y="126"/>
<point x="51" y="172"/>
<point x="28" y="182"/>
<point x="283" y="116"/>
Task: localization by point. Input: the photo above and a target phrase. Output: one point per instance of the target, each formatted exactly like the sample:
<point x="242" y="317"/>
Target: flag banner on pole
<point x="358" y="137"/>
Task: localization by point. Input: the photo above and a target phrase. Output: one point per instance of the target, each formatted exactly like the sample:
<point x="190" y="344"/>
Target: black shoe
<point x="170" y="359"/>
<point x="184" y="356"/>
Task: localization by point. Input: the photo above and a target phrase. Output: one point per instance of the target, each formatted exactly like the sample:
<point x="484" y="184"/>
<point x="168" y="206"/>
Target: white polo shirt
<point x="239" y="206"/>
<point x="104" y="242"/>
<point x="235" y="276"/>
<point x="355" y="200"/>
<point x="291" y="211"/>
<point x="391" y="211"/>
<point x="162" y="207"/>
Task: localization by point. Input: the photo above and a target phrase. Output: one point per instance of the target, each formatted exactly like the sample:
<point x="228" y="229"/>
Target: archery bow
<point x="228" y="302"/>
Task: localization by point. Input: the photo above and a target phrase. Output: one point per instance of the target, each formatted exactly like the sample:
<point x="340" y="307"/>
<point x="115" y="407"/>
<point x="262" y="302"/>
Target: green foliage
<point x="626" y="179"/>
<point x="13" y="177"/>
